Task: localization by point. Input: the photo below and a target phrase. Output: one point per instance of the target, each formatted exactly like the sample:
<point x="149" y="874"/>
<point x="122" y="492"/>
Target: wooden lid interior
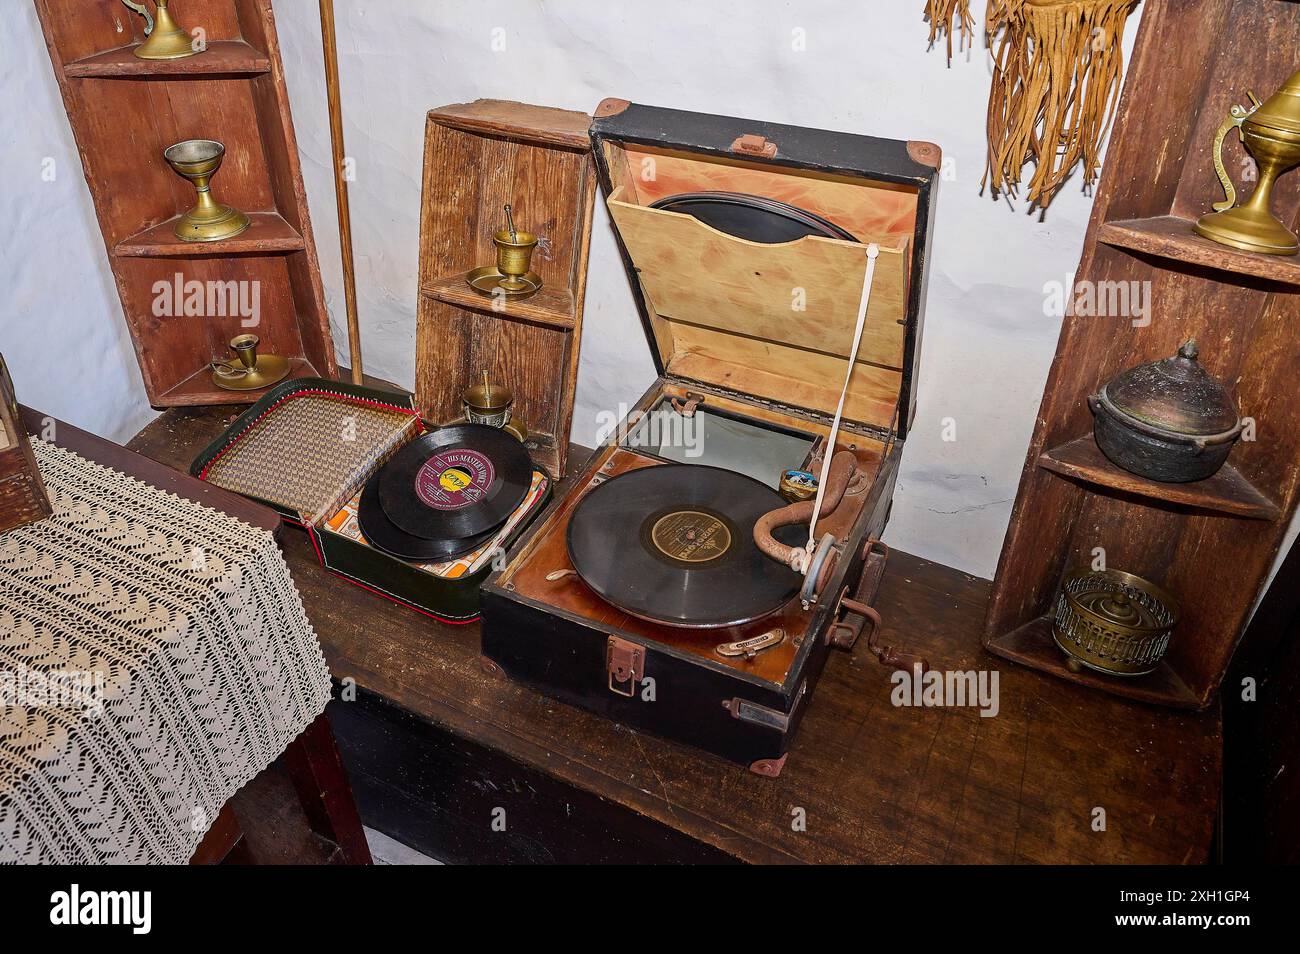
<point x="772" y="321"/>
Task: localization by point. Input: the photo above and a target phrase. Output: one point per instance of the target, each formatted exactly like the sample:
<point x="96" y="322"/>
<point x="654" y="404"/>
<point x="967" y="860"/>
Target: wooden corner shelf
<point x="1171" y="237"/>
<point x="549" y="306"/>
<point x="267" y="233"/>
<point x="1032" y="645"/>
<point x="1210" y="544"/>
<point x="478" y="157"/>
<point x="221" y="58"/>
<point x="1225" y="492"/>
<point x="124" y="112"/>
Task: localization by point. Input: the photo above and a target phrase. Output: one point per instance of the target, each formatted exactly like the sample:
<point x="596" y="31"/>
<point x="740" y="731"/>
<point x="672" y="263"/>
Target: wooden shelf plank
<point x="199" y="389"/>
<point x="267" y="232"/>
<point x="1225" y="492"/>
<point x="550" y="306"/>
<point x="1032" y="645"/>
<point x="1171" y="236"/>
<point x="222" y="57"/>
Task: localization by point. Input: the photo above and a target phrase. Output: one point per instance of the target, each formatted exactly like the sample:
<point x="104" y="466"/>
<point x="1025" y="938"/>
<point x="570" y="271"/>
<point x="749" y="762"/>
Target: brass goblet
<point x="209" y="221"/>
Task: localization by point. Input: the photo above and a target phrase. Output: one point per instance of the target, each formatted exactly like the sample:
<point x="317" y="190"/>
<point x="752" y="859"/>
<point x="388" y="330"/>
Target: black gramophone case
<point x="751" y="342"/>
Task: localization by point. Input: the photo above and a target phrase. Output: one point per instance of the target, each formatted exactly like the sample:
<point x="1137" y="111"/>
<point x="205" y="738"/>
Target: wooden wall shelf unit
<point x="1210" y="543"/>
<point x="479" y="156"/>
<point x="124" y="112"/>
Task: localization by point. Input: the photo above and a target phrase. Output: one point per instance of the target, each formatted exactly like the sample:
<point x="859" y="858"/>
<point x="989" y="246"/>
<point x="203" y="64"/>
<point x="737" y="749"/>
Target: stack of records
<point x="445" y="493"/>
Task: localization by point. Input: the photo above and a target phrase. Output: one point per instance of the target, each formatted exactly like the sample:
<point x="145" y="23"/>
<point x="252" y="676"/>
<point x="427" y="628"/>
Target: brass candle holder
<point x="253" y="371"/>
<point x="1270" y="132"/>
<point x="209" y="221"/>
<point x="166" y="40"/>
<point x="512" y="275"/>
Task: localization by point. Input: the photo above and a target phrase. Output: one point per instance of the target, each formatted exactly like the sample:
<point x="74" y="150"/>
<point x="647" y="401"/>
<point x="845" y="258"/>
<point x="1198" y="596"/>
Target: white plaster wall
<point x="61" y="327"/>
<point x="864" y="68"/>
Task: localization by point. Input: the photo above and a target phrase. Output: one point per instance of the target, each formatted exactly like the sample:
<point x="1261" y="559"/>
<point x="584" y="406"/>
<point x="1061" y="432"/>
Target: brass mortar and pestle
<point x="492" y="405"/>
<point x="512" y="275"/>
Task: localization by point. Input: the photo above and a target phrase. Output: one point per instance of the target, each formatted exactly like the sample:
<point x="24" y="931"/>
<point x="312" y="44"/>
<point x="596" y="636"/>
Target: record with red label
<point x="454" y="483"/>
<point x="383" y="534"/>
<point x="675" y="545"/>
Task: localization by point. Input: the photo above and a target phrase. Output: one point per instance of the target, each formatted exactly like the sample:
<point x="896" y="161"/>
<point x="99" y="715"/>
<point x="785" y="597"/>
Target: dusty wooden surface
<point x="875" y="782"/>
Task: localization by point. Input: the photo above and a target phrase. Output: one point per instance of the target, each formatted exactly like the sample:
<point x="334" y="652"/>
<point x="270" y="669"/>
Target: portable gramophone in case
<point x="671" y="588"/>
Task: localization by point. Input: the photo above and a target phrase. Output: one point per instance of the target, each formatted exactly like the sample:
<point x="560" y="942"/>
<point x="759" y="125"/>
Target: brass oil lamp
<point x="1271" y="134"/>
<point x="166" y="40"/>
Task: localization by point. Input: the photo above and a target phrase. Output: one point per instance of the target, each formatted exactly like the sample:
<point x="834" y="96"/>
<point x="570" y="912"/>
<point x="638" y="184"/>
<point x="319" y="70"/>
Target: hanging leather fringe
<point x="940" y="13"/>
<point x="1056" y="80"/>
<point x="1000" y="13"/>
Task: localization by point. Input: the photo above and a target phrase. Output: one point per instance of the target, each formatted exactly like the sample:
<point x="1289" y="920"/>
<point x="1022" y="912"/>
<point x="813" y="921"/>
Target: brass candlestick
<point x="1270" y="132"/>
<point x="253" y="371"/>
<point x="209" y="221"/>
<point x="166" y="40"/>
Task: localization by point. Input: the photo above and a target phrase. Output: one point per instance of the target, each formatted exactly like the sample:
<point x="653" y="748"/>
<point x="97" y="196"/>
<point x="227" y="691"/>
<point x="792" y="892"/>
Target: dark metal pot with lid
<point x="1166" y="420"/>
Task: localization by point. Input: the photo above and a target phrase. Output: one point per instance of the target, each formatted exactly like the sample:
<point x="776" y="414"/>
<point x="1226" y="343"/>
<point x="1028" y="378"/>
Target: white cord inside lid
<point x="873" y="250"/>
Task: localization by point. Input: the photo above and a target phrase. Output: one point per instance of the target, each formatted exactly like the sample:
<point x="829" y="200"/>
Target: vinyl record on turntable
<point x="385" y="535"/>
<point x="454" y="483"/>
<point x="674" y="544"/>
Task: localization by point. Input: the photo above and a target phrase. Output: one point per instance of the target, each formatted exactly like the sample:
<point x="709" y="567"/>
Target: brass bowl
<point x="1113" y="622"/>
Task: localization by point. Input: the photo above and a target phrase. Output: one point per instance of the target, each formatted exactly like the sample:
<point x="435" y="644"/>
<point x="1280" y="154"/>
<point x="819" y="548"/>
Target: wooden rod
<point x="340" y="182"/>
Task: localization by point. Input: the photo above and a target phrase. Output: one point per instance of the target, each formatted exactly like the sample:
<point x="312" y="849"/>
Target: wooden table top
<point x="876" y="782"/>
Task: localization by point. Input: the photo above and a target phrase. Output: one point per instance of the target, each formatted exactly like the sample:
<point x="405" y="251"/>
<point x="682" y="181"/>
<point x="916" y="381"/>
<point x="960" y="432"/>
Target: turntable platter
<point x="674" y="544"/>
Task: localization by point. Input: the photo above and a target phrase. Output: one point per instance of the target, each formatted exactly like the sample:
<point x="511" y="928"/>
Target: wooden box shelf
<point x="1226" y="492"/>
<point x="124" y="112"/>
<point x="479" y="156"/>
<point x="1212" y="543"/>
<point x="550" y="306"/>
<point x="1032" y="645"/>
<point x="1171" y="237"/>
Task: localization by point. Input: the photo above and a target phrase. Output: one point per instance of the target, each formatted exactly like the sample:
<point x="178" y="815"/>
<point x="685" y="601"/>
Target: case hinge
<point x="625" y="662"/>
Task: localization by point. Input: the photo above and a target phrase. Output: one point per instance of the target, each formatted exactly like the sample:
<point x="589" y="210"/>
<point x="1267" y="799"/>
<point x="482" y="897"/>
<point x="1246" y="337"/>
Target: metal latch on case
<point x="625" y="662"/>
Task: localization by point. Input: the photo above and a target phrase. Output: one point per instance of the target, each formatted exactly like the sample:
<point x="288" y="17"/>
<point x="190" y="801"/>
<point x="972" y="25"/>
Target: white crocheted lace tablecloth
<point x="154" y="657"/>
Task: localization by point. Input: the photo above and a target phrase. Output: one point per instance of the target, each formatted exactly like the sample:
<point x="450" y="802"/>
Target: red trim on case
<point x="346" y="398"/>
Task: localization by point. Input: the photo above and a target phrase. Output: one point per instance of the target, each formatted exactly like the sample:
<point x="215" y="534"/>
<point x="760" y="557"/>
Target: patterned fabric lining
<point x="311" y="452"/>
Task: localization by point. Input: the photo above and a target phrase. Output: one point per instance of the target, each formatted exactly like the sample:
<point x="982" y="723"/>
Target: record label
<point x="454" y="479"/>
<point x="689" y="536"/>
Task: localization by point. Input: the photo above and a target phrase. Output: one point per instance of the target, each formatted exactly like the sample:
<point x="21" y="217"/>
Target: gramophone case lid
<point x="1175" y="394"/>
<point x="790" y="357"/>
